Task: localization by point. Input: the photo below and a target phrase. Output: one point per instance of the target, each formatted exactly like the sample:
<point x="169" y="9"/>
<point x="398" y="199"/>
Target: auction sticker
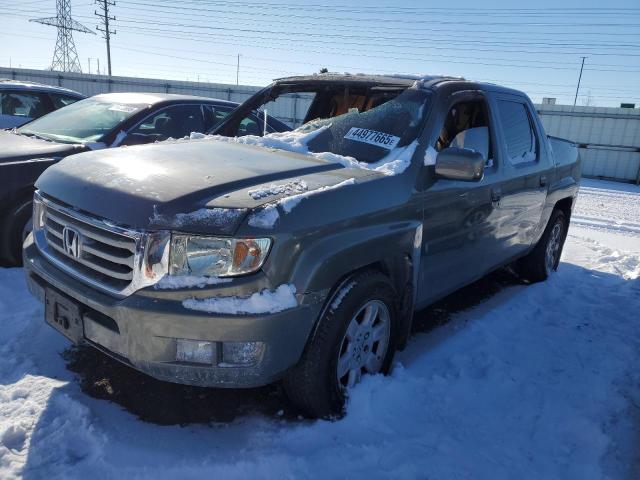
<point x="373" y="137"/>
<point x="122" y="108"/>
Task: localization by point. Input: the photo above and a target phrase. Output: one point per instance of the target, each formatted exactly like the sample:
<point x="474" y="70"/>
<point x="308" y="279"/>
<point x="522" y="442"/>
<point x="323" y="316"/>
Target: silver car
<point x="21" y="102"/>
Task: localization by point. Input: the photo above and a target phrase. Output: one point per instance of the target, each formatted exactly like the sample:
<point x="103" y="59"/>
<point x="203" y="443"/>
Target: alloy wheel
<point x="365" y="343"/>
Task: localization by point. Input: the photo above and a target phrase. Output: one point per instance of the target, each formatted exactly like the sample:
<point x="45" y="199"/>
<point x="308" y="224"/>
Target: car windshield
<point x="368" y="132"/>
<point x="84" y="121"/>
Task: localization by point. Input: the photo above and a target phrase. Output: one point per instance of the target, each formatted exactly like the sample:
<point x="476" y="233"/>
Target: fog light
<point x="194" y="351"/>
<point x="241" y="353"/>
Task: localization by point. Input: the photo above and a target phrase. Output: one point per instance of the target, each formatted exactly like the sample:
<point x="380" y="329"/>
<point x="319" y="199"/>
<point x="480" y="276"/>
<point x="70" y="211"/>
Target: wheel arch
<point x="332" y="272"/>
<point x="565" y="205"/>
<point x="14" y="203"/>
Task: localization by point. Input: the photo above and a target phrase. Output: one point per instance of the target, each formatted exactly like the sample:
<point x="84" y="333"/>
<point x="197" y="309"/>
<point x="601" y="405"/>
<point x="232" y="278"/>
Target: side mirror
<point x="460" y="164"/>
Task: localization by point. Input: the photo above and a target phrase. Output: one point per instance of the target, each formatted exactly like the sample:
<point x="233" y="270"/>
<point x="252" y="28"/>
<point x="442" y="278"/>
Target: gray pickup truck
<point x="299" y="256"/>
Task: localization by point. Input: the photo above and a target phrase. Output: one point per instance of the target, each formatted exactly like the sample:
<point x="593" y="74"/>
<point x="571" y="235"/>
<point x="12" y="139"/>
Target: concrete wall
<point x="609" y="138"/>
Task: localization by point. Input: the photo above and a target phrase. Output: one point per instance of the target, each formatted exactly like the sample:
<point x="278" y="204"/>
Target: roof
<point x="153" y="98"/>
<point x="425" y="81"/>
<point x="40" y="87"/>
<point x="399" y="80"/>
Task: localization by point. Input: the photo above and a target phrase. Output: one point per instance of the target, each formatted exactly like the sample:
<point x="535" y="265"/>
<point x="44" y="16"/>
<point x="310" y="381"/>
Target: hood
<point x="147" y="186"/>
<point x="14" y="148"/>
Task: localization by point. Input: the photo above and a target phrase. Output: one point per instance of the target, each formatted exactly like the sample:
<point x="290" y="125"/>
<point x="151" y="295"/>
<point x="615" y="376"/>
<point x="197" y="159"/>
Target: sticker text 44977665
<point x="372" y="137"/>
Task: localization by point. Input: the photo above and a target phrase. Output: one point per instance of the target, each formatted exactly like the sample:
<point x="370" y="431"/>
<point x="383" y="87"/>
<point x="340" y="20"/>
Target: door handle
<point x="543" y="180"/>
<point x="496" y="195"/>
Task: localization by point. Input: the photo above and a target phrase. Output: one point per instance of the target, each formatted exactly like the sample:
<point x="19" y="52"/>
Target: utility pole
<point x="579" y="78"/>
<point x="106" y="32"/>
<point x="89" y="59"/>
<point x="238" y="71"/>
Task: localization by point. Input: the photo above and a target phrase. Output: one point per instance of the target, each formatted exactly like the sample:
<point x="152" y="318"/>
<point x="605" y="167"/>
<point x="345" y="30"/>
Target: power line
<point x="343" y="42"/>
<point x="360" y="17"/>
<point x="519" y="12"/>
<point x="380" y="38"/>
<point x="360" y="26"/>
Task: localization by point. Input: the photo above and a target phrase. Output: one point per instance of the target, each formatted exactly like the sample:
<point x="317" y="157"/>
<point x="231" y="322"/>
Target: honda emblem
<point x="71" y="242"/>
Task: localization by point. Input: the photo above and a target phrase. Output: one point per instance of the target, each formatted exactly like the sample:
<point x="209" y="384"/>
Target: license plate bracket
<point x="63" y="314"/>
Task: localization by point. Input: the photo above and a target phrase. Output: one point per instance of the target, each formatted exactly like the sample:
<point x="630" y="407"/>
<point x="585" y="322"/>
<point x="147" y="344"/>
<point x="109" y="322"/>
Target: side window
<point x="467" y="126"/>
<point x="518" y="132"/>
<point x="21" y="104"/>
<point x="172" y="122"/>
<point x="290" y="108"/>
<point x="60" y="101"/>
<point x="214" y="114"/>
<point x="250" y="125"/>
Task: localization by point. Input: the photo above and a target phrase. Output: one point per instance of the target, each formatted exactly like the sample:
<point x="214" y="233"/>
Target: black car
<point x="104" y="121"/>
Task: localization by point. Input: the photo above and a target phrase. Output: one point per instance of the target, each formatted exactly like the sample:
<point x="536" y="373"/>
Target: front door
<point x="460" y="218"/>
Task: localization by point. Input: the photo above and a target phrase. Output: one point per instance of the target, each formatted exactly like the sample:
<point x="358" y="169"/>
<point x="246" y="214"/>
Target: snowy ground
<point x="531" y="382"/>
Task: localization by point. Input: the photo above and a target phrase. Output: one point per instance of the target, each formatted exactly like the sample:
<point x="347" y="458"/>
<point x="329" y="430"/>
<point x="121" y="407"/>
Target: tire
<point x="544" y="259"/>
<point x="313" y="385"/>
<point x="17" y="222"/>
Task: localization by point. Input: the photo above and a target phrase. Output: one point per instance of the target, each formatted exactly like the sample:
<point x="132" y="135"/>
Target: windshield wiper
<point x="37" y="135"/>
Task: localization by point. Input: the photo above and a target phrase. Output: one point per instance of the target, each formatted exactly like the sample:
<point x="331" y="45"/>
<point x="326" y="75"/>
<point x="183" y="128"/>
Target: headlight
<point x="38" y="212"/>
<point x="216" y="257"/>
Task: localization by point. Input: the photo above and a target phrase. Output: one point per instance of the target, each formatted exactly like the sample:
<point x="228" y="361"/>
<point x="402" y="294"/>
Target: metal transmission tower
<point x="65" y="56"/>
<point x="104" y="16"/>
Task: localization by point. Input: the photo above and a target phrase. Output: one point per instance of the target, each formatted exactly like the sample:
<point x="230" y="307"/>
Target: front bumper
<point x="141" y="330"/>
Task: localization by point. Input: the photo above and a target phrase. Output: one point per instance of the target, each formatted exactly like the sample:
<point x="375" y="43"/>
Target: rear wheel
<point x="355" y="337"/>
<point x="544" y="259"/>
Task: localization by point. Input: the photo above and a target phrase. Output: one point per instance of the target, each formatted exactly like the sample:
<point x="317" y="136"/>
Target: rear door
<point x="524" y="188"/>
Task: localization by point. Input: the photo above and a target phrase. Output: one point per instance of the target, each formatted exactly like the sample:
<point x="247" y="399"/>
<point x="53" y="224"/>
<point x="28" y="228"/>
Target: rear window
<point x="518" y="132"/>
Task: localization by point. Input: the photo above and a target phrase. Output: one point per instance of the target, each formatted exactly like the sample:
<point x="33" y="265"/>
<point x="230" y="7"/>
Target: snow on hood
<point x="208" y="217"/>
<point x="267" y="216"/>
<point x="394" y="163"/>
<point x="289" y="188"/>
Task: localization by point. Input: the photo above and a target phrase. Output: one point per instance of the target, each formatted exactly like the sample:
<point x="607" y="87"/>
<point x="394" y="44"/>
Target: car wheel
<point x="18" y="226"/>
<point x="355" y="336"/>
<point x="545" y="257"/>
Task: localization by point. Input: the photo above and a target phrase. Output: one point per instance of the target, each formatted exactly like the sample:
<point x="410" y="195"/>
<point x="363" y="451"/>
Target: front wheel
<point x="544" y="259"/>
<point x="355" y="336"/>
<point x="17" y="227"/>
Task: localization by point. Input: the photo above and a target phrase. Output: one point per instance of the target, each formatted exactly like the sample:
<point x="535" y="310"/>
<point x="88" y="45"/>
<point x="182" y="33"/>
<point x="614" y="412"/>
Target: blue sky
<point x="533" y="47"/>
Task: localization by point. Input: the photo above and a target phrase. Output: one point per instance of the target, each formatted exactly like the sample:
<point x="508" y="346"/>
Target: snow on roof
<point x="153" y="98"/>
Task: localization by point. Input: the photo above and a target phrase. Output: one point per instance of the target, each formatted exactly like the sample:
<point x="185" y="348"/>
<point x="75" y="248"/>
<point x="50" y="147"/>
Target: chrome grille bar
<point x="106" y="256"/>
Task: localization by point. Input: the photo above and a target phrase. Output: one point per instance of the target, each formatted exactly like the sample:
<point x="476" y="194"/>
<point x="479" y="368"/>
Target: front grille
<point x="111" y="258"/>
<point x="103" y="256"/>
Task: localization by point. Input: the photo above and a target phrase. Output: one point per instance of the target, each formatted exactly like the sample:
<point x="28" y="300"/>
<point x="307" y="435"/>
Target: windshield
<point x="84" y="121"/>
<point x="371" y="135"/>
